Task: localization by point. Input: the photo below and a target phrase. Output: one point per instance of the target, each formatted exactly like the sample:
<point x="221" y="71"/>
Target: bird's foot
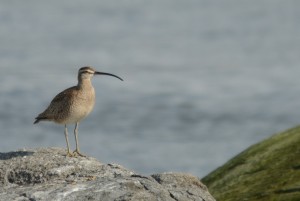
<point x="70" y="154"/>
<point x="77" y="153"/>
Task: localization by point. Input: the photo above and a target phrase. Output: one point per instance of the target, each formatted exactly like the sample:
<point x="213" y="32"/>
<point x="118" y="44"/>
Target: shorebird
<point x="73" y="104"/>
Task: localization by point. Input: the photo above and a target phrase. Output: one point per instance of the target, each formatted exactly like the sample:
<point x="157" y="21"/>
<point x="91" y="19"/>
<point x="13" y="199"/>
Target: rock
<point x="269" y="170"/>
<point x="47" y="174"/>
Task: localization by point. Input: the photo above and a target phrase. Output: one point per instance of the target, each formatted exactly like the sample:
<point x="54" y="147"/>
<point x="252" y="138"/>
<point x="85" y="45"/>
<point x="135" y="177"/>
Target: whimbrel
<point x="73" y="104"/>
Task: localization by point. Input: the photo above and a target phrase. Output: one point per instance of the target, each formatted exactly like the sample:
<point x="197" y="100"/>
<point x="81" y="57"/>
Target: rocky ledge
<point x="47" y="174"/>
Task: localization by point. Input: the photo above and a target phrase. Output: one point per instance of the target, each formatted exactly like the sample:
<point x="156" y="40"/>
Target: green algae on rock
<point x="269" y="170"/>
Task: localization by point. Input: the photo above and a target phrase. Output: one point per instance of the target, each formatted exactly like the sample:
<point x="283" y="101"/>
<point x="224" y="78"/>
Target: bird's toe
<point x="77" y="153"/>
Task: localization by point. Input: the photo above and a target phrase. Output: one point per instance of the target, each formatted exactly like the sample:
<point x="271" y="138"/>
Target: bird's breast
<point x="81" y="106"/>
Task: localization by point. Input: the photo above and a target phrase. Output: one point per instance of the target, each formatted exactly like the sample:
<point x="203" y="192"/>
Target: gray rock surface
<point x="47" y="174"/>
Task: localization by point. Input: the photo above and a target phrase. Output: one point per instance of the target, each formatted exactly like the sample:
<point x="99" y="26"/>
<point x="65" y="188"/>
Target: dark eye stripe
<point x="87" y="72"/>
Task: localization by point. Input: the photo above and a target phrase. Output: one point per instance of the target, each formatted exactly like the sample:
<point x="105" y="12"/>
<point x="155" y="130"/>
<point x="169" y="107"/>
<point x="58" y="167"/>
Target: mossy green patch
<point x="269" y="170"/>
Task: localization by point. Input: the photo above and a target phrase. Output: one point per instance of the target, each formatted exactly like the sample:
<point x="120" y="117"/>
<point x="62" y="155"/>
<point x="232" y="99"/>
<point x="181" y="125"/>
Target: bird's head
<point x="88" y="72"/>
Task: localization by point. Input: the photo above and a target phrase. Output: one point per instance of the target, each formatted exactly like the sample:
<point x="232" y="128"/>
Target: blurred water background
<point x="204" y="79"/>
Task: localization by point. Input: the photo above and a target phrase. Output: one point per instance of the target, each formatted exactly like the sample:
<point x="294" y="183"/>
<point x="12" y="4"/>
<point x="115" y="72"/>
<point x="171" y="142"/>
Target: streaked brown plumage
<point x="73" y="104"/>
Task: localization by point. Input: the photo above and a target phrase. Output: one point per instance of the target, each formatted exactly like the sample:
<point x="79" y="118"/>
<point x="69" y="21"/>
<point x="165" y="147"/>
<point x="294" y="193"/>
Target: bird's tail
<point x="38" y="119"/>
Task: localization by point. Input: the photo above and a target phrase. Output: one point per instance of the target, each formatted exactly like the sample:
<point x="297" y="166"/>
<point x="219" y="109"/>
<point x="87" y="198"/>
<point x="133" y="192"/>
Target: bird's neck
<point x="84" y="84"/>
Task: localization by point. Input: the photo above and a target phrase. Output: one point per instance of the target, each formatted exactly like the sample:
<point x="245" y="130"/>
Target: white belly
<point x="78" y="113"/>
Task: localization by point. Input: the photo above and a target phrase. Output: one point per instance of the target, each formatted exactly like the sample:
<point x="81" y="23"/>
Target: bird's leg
<point x="68" y="146"/>
<point x="77" y="151"/>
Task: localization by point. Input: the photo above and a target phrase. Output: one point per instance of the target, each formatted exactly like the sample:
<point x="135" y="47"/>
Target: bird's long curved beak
<point x="102" y="73"/>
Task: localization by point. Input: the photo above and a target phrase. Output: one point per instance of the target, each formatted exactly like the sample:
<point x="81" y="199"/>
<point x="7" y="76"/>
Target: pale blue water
<point x="203" y="79"/>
